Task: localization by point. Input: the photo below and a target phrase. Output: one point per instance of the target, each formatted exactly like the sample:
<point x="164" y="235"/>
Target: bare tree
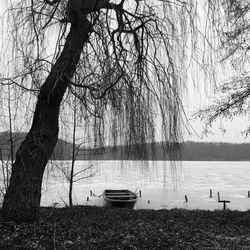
<point x="86" y="172"/>
<point x="130" y="58"/>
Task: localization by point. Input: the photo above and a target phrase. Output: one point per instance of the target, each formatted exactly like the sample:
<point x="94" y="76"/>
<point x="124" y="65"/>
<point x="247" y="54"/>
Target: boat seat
<point x="117" y="193"/>
<point x="121" y="196"/>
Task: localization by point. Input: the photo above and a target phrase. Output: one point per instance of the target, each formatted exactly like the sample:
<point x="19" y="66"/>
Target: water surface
<point x="163" y="185"/>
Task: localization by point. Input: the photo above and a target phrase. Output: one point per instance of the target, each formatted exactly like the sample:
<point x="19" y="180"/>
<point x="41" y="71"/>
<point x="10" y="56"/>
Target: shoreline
<point x="90" y="227"/>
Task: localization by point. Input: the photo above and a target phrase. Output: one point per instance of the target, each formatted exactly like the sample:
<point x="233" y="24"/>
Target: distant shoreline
<point x="158" y="151"/>
<point x="153" y="160"/>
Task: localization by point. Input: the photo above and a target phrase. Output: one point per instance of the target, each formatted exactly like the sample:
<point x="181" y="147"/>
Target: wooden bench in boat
<point x="120" y="196"/>
<point x="116" y="193"/>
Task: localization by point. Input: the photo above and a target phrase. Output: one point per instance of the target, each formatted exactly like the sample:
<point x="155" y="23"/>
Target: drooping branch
<point x="232" y="100"/>
<point x="132" y="63"/>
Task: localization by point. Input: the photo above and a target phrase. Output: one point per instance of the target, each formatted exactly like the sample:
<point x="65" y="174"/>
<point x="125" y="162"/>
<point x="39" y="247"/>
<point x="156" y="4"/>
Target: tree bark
<point x="22" y="199"/>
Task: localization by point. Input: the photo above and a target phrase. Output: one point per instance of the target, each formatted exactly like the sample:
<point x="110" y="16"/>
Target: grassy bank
<point x="99" y="228"/>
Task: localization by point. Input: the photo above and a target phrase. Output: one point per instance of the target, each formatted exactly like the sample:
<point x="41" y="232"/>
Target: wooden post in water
<point x="211" y="193"/>
<point x="186" y="198"/>
<point x="224" y="203"/>
<point x="218" y="196"/>
<point x="248" y="194"/>
<point x="87" y="198"/>
<point x="140" y="193"/>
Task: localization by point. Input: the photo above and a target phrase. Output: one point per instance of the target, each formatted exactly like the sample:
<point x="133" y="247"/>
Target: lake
<point x="163" y="184"/>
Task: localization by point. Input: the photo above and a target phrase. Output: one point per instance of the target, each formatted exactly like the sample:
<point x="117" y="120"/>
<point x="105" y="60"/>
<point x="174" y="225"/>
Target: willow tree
<point x="232" y="94"/>
<point x="129" y="58"/>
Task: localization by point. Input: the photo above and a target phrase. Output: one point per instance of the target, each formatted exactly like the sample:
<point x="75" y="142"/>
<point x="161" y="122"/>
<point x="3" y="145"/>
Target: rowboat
<point x="122" y="198"/>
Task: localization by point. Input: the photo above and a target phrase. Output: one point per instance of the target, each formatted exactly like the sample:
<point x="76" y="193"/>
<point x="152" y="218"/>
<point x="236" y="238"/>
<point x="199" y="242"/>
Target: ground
<point x="85" y="227"/>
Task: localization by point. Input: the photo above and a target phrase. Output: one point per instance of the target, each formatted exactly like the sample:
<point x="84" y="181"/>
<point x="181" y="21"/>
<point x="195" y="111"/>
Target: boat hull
<point x="121" y="198"/>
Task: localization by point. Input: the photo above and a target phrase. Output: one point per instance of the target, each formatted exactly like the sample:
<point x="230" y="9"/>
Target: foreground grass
<point x="99" y="228"/>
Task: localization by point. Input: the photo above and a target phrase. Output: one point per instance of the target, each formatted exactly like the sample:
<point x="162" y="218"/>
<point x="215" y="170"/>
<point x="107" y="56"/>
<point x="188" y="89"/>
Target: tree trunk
<point x="22" y="199"/>
<point x="71" y="180"/>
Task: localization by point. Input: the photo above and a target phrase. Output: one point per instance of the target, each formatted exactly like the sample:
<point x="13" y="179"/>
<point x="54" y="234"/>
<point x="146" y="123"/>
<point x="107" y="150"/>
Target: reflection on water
<point x="162" y="185"/>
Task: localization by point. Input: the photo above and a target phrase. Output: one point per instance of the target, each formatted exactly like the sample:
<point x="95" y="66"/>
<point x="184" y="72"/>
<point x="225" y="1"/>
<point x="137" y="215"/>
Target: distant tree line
<point x="197" y="151"/>
<point x="191" y="151"/>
